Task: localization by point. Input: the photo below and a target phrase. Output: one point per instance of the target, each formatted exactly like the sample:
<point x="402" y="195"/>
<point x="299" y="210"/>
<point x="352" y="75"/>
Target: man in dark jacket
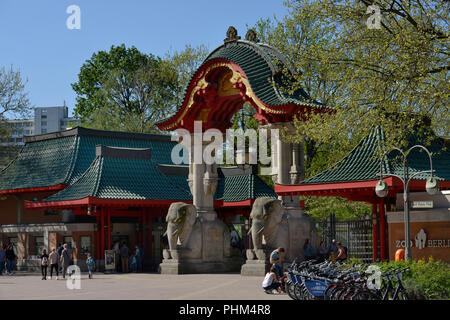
<point x="10" y="257"/>
<point x="66" y="258"/>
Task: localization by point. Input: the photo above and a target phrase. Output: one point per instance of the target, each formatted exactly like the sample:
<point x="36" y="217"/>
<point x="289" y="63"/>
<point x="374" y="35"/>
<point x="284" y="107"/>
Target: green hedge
<point x="425" y="279"/>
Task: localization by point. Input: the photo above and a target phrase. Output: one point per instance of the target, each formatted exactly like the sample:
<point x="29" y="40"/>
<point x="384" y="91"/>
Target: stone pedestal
<point x="255" y="268"/>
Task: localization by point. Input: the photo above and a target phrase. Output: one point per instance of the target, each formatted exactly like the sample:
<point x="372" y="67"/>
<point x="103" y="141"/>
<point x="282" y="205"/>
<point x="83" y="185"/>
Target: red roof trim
<point x="57" y="187"/>
<point x="244" y="203"/>
<point x="99" y="202"/>
<point x="348" y="189"/>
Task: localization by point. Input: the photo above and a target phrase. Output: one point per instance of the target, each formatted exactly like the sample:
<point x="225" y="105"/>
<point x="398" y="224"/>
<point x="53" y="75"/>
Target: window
<point x="19" y="140"/>
<point x="39" y="242"/>
<point x="44" y="116"/>
<point x="43" y="123"/>
<point x="44" y="130"/>
<point x="43" y="110"/>
<point x="27" y="132"/>
<point x="85" y="244"/>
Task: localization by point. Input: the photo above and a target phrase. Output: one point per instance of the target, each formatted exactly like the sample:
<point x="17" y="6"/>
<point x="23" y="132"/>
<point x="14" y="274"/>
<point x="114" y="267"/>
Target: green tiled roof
<point x="240" y="188"/>
<point x="361" y="164"/>
<point x="62" y="157"/>
<point x="121" y="178"/>
<point x="41" y="164"/>
<point x="237" y="185"/>
<point x="257" y="60"/>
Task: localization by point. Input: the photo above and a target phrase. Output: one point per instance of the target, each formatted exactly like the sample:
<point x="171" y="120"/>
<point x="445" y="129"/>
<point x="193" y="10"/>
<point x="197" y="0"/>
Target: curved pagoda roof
<point x="236" y="72"/>
<point x="354" y="177"/>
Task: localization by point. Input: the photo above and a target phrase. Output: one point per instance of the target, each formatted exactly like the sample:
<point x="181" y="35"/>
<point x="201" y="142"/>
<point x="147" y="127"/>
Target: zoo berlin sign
<point x="422" y="242"/>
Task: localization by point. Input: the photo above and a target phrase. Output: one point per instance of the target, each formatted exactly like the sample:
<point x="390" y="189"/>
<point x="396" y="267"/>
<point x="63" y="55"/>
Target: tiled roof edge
<point x="98" y="133"/>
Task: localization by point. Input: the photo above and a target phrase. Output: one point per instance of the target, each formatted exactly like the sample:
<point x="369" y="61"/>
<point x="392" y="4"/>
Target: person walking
<point x="44" y="264"/>
<point x="2" y="259"/>
<point x="65" y="260"/>
<point x="10" y="257"/>
<point x="308" y="250"/>
<point x="53" y="259"/>
<point x="59" y="252"/>
<point x="124" y="253"/>
<point x="90" y="264"/>
<point x="139" y="259"/>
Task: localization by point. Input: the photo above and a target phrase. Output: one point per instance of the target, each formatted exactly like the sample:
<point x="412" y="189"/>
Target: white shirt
<point x="267" y="280"/>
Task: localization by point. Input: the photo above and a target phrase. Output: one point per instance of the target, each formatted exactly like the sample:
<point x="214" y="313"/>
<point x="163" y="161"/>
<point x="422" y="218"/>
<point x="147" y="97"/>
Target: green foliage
<point x="424" y="280"/>
<point x="14" y="104"/>
<point x="127" y="90"/>
<point x="396" y="77"/>
<point x="320" y="208"/>
<point x="186" y="62"/>
<point x="383" y="76"/>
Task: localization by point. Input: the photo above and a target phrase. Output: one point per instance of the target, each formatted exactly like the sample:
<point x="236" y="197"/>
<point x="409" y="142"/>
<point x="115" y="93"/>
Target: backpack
<point x="44" y="261"/>
<point x="345" y="250"/>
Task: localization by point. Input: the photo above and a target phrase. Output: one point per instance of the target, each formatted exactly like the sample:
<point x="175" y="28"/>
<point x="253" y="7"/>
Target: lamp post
<point x="381" y="188"/>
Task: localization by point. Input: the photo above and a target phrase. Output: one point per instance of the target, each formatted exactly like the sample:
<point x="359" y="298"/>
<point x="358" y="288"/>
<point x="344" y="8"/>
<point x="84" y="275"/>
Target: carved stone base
<point x="172" y="266"/>
<point x="255" y="268"/>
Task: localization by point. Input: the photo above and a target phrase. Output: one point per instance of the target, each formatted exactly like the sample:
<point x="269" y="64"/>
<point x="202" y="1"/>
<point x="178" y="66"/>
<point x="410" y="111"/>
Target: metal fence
<point x="356" y="235"/>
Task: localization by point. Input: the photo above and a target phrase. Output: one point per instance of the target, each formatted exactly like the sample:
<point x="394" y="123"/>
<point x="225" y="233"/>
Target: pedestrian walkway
<point x="138" y="286"/>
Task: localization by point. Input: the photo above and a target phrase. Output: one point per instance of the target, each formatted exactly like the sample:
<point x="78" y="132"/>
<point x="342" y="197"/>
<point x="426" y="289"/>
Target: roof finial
<point x="231" y="34"/>
<point x="251" y="36"/>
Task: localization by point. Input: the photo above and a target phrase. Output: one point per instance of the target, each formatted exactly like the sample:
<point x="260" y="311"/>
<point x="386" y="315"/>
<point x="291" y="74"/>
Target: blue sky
<point x="34" y="37"/>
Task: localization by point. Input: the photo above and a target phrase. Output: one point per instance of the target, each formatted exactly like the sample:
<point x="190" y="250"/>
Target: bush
<point x="424" y="280"/>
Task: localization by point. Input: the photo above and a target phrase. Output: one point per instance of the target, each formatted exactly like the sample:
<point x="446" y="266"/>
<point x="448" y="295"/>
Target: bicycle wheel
<point x="401" y="295"/>
<point x="298" y="292"/>
<point x="290" y="287"/>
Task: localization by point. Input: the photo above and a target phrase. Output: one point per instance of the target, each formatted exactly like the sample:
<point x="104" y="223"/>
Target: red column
<point x="374" y="232"/>
<point x="109" y="228"/>
<point x="382" y="231"/>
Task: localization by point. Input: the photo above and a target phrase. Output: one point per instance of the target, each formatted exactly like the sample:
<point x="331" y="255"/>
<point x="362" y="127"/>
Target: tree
<point x="395" y="76"/>
<point x="186" y="62"/>
<point x="124" y="89"/>
<point x="14" y="103"/>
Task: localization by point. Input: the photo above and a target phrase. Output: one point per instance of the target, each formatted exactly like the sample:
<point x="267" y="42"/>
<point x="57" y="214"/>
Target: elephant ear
<point x="268" y="208"/>
<point x="190" y="214"/>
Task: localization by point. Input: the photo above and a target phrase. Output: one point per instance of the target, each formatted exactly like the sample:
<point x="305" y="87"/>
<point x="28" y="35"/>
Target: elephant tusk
<point x="260" y="230"/>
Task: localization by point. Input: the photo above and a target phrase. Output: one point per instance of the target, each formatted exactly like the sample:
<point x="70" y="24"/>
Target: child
<point x="270" y="281"/>
<point x="133" y="264"/>
<point x="90" y="264"/>
<point x="44" y="264"/>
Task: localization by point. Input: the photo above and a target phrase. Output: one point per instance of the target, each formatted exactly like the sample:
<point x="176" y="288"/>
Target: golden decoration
<point x="235" y="78"/>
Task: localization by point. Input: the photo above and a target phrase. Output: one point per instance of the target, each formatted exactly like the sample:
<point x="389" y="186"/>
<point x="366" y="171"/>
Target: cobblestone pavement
<point x="146" y="286"/>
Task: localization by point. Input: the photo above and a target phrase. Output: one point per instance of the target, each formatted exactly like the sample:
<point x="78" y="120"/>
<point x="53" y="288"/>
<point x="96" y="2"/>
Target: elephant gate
<point x="236" y="73"/>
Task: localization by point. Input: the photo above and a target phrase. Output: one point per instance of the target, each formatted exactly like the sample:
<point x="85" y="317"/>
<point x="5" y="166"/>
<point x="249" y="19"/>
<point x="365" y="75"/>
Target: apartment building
<point x="46" y="120"/>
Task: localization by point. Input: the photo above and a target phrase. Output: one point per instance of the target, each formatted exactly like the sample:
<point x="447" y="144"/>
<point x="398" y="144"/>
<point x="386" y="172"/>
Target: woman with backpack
<point x="44" y="264"/>
<point x="90" y="264"/>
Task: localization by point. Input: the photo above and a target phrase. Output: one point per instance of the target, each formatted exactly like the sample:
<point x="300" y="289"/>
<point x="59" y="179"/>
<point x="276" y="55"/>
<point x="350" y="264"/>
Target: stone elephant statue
<point x="269" y="223"/>
<point x="183" y="232"/>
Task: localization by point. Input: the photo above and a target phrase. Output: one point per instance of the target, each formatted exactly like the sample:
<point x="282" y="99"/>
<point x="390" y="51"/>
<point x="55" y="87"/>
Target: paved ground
<point x="138" y="286"/>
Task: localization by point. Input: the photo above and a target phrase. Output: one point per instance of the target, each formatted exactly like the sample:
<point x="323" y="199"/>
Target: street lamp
<point x="381" y="188"/>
